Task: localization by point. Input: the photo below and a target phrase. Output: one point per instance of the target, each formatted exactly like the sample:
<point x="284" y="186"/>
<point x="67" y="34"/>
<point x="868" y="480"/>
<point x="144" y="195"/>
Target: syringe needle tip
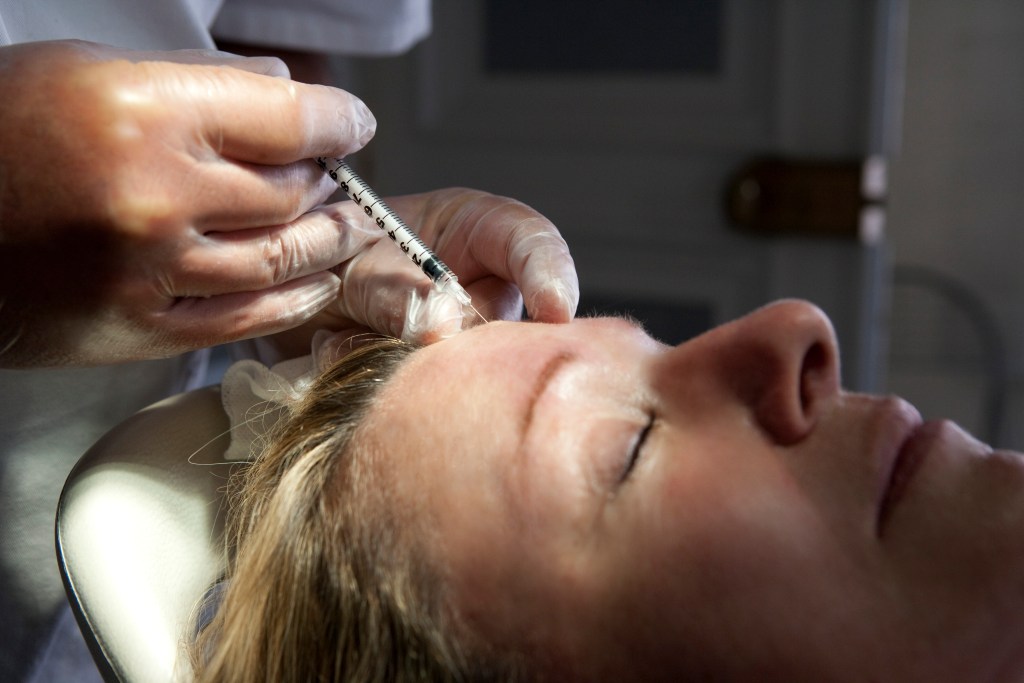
<point x="478" y="313"/>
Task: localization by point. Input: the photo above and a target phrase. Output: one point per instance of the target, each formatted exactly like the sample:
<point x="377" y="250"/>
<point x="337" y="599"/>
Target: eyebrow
<point x="547" y="373"/>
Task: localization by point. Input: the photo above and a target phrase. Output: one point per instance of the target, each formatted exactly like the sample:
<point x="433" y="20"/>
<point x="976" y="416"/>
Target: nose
<point x="780" y="363"/>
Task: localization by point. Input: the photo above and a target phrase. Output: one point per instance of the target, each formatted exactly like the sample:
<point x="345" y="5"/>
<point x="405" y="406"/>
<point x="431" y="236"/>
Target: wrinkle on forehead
<point x="544" y="378"/>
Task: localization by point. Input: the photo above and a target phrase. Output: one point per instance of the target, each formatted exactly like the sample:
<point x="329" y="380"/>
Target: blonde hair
<point x="326" y="580"/>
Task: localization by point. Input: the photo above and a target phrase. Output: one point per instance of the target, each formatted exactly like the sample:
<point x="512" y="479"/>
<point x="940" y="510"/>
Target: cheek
<point x="724" y="523"/>
<point x="727" y="507"/>
<point x="723" y="555"/>
<point x="720" y="533"/>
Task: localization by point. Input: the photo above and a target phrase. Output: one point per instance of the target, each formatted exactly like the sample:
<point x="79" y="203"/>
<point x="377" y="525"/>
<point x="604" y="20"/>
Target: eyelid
<point x="635" y="449"/>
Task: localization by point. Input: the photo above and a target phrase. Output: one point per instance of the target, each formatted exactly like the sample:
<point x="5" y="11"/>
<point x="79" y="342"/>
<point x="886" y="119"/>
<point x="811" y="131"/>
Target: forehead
<point x="455" y="412"/>
<point x="442" y="396"/>
<point x="443" y="429"/>
<point x="510" y="355"/>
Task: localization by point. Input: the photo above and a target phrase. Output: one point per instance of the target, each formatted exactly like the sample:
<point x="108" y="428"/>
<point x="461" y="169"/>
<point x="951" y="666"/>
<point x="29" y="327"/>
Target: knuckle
<point x="144" y="212"/>
<point x="122" y="118"/>
<point x="282" y="256"/>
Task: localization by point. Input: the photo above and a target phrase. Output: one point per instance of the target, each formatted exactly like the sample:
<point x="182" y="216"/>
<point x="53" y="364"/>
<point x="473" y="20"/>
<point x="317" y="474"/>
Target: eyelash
<point x="638" y="445"/>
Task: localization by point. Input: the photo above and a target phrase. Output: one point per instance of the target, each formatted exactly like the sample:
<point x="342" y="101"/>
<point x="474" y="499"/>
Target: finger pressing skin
<point x="507" y="239"/>
<point x="430" y="315"/>
<point x="544" y="269"/>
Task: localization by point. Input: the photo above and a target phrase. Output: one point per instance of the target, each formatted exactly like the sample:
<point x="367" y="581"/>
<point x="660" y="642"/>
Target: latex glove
<point x="152" y="203"/>
<point x="503" y="252"/>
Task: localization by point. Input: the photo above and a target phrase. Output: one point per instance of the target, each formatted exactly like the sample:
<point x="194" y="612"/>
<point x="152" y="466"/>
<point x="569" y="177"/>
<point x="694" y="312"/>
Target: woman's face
<point x="627" y="509"/>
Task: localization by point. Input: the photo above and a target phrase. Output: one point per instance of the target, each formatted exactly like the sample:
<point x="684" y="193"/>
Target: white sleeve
<point x="349" y="27"/>
<point x="163" y="25"/>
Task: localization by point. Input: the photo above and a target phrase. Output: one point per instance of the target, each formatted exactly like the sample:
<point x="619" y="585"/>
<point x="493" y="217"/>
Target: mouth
<point x="903" y="452"/>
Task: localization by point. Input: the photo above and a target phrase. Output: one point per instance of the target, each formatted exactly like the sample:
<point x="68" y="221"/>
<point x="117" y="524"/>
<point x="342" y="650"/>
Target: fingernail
<point x="363" y="121"/>
<point x="555" y="303"/>
<point x="431" y="317"/>
<point x="315" y="297"/>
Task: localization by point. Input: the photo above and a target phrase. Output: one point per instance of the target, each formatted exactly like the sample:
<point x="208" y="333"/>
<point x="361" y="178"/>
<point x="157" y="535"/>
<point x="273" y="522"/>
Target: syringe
<point x="400" y="233"/>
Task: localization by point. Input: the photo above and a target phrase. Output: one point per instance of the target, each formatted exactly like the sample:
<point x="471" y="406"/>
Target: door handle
<point x="825" y="198"/>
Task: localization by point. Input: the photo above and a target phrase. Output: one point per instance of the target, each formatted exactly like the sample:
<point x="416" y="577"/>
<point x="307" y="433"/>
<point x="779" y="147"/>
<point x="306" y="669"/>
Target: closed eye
<point x="636" y="449"/>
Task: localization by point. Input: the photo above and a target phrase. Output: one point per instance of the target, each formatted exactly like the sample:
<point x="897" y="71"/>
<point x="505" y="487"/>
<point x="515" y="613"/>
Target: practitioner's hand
<point x="503" y="252"/>
<point x="152" y="203"/>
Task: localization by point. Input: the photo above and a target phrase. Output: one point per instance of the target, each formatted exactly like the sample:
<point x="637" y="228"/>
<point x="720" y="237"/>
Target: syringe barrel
<point x="392" y="224"/>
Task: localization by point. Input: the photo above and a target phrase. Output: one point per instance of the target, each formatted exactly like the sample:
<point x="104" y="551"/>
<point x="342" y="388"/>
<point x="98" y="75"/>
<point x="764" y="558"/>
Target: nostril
<point x="815" y="363"/>
<point x="782" y="362"/>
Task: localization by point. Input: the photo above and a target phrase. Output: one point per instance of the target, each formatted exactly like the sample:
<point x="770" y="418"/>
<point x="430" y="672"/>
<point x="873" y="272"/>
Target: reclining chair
<point x="139" y="535"/>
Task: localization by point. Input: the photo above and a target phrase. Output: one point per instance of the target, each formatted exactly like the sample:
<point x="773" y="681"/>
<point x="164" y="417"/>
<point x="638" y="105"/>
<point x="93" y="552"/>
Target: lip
<point x="904" y="446"/>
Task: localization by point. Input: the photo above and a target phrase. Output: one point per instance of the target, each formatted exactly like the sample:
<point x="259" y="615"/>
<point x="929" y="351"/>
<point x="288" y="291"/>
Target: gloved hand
<point x="152" y="203"/>
<point x="503" y="252"/>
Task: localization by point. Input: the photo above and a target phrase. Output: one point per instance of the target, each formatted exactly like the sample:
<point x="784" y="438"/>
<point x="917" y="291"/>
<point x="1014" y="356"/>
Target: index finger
<point x="486" y="235"/>
<point x="265" y="119"/>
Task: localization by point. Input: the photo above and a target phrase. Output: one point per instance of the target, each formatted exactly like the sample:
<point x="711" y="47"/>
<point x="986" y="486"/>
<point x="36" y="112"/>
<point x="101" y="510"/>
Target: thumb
<point x="431" y="316"/>
<point x="384" y="291"/>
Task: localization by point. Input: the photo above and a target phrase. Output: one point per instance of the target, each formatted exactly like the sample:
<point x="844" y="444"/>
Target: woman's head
<point x="325" y="577"/>
<point x="611" y="507"/>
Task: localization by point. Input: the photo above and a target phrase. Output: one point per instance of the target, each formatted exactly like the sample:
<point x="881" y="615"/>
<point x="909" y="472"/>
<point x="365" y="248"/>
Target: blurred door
<point x="625" y="123"/>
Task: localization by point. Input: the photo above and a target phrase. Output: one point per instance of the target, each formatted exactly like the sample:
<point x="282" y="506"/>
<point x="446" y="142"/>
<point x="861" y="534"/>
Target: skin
<point x="764" y="532"/>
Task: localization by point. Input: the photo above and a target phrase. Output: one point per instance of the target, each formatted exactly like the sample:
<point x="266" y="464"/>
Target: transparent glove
<point x="154" y="203"/>
<point x="503" y="252"/>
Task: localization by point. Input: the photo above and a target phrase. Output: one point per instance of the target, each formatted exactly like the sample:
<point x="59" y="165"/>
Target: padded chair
<point x="139" y="534"/>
